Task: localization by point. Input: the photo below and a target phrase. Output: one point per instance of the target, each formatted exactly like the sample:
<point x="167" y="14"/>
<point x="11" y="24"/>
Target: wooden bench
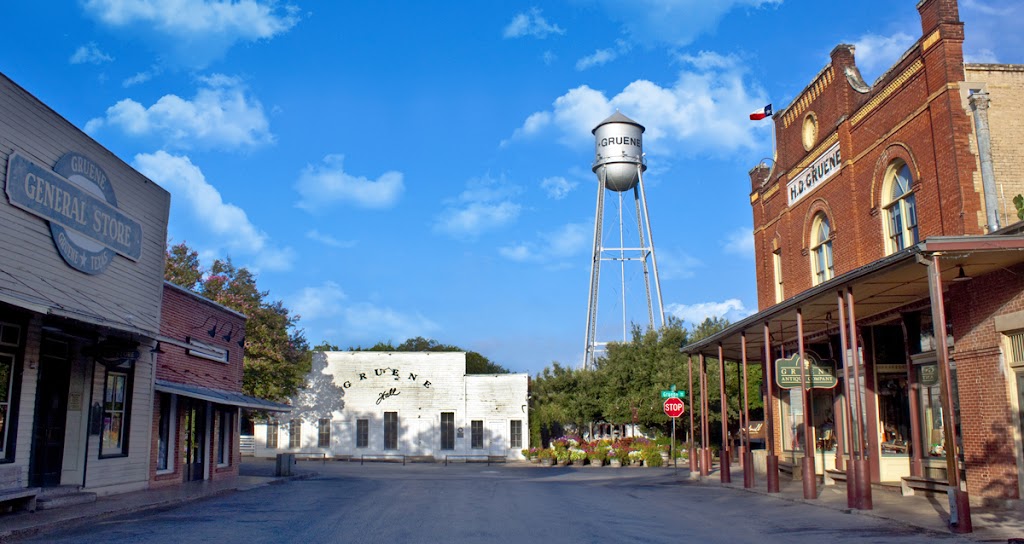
<point x="909" y="483"/>
<point x="832" y="476"/>
<point x="793" y="470"/>
<point x="12" y="493"/>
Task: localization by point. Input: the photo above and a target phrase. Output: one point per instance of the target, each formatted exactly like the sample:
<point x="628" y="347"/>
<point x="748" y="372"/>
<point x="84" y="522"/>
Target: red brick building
<point x="198" y="390"/>
<point x="882" y="201"/>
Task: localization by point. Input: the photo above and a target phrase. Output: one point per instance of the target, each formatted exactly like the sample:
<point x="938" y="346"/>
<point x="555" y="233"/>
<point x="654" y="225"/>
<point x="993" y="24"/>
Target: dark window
<point x="391" y="430"/>
<point x="163" y="447"/>
<point x="272" y="435"/>
<point x="117" y="394"/>
<point x="447" y="430"/>
<point x="6" y="386"/>
<point x="323" y="438"/>
<point x="224" y="433"/>
<point x="10" y="384"/>
<point x="362" y="433"/>
<point x="516" y="433"/>
<point x="295" y="433"/>
<point x="477" y="436"/>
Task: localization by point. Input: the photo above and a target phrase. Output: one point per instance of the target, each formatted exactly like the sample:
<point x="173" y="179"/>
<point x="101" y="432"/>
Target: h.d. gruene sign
<point x="819" y="374"/>
<point x="77" y="199"/>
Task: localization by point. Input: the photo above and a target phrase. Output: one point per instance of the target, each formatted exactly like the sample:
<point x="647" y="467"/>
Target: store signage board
<point x="77" y="200"/>
<point x="819" y="374"/>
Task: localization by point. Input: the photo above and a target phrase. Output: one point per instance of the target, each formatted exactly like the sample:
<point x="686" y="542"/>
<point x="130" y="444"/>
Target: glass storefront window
<point x="793" y="420"/>
<point x="893" y="414"/>
<point x="931" y="415"/>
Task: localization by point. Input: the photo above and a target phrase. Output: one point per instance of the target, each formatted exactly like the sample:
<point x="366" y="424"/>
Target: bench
<point x="909" y="483"/>
<point x="832" y="476"/>
<point x="477" y="458"/>
<point x="12" y="493"/>
<point x="382" y="457"/>
<point x="793" y="470"/>
<point x="311" y="455"/>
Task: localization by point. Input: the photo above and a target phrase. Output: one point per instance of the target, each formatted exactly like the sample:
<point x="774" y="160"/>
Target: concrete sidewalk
<point x="924" y="510"/>
<point x="254" y="474"/>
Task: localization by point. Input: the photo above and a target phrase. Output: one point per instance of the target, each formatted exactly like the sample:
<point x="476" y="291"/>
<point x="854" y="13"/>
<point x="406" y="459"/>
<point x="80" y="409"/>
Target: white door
<point x="496" y="434"/>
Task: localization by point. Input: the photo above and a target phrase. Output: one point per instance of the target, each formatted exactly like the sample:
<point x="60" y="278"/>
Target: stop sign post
<point x="673" y="408"/>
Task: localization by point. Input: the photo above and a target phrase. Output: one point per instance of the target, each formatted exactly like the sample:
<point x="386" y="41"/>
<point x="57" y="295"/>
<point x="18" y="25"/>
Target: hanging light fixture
<point x="962" y="276"/>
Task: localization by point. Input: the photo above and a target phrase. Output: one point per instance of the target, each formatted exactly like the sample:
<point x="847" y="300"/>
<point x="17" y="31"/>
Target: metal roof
<point x="220" y="396"/>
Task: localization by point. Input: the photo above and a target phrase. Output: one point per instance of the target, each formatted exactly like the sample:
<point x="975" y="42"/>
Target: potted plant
<point x="562" y="456"/>
<point x="577" y="456"/>
<point x="613" y="458"/>
<point x="652" y="456"/>
<point x="597" y="456"/>
<point x="546" y="457"/>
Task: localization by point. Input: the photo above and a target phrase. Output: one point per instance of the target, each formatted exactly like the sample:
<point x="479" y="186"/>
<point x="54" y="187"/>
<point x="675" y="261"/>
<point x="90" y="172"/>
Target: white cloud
<point x="551" y="247"/>
<point x="676" y="264"/>
<point x="557" y="187"/>
<point x="994" y="31"/>
<point x="195" y="32"/>
<point x="673" y="22"/>
<point x="981" y="56"/>
<point x="368" y="322"/>
<point x="549" y="57"/>
<point x="876" y="53"/>
<point x="732" y="309"/>
<point x="329" y="240"/>
<point x="89" y="54"/>
<point x="187" y="184"/>
<point x="142" y="77"/>
<point x="220" y="115"/>
<point x="531" y="23"/>
<point x="327" y="184"/>
<point x="740" y="242"/>
<point x="320" y="302"/>
<point x="485" y="205"/>
<point x="598" y="58"/>
<point x="705" y="110"/>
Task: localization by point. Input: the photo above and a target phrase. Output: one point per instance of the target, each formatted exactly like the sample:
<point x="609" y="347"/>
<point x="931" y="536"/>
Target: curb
<point x="26" y="532"/>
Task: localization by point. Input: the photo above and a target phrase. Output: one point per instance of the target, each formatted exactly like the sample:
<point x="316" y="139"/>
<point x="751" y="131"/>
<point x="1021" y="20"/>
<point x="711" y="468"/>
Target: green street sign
<point x="818" y="373"/>
<point x="673" y="394"/>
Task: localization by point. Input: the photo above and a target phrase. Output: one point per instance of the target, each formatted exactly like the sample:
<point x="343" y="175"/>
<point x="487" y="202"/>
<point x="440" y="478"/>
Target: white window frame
<point x="207" y="351"/>
<point x="821" y="249"/>
<point x="172" y="434"/>
<point x="323" y="423"/>
<point x="224" y="436"/>
<point x="908" y="235"/>
<point x="777" y="265"/>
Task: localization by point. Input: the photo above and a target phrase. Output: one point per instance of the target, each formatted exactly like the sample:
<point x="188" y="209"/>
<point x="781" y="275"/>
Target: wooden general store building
<point x="110" y="379"/>
<point x="888" y="246"/>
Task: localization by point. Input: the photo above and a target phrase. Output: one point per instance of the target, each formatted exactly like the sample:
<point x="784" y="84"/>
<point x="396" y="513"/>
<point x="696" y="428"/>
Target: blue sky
<point x="393" y="169"/>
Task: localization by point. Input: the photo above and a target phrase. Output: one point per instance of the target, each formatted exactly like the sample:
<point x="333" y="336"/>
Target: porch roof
<point x="220" y="396"/>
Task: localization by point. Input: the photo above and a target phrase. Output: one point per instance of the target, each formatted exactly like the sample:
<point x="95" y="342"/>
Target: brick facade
<point x="188" y="317"/>
<point x="918" y="114"/>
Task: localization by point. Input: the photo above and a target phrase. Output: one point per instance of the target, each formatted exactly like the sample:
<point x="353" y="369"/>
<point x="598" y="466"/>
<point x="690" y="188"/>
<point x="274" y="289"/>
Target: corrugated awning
<point x="220" y="396"/>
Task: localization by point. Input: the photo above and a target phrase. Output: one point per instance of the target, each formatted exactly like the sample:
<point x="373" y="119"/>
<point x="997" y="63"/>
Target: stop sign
<point x="674" y="407"/>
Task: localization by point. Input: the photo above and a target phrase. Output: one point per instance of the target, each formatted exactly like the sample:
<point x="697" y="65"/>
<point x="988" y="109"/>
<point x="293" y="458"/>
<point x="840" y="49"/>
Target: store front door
<point x="51" y="413"/>
<point x="195" y="440"/>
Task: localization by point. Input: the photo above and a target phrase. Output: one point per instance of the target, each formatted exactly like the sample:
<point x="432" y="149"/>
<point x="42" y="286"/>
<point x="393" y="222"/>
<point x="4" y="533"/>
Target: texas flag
<point x="761" y="113"/>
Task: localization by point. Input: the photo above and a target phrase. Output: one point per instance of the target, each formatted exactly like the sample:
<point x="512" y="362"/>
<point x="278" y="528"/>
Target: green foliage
<point x="625" y="386"/>
<point x="475" y="363"/>
<point x="1018" y="202"/>
<point x="277" y="356"/>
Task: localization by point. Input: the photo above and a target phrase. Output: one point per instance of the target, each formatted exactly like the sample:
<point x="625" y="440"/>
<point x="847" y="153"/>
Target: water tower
<point x="619" y="166"/>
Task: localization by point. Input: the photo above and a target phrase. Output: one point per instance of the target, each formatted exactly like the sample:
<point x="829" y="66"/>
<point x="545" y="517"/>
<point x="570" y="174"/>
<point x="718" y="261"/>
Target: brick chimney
<point x="937" y="12"/>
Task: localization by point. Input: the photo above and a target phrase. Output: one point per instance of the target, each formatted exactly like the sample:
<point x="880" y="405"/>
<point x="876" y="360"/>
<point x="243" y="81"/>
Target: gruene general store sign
<point x="78" y="201"/>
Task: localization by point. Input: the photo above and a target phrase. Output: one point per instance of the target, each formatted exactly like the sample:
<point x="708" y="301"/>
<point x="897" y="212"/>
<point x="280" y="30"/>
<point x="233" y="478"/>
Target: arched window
<point x="821" y="249"/>
<point x="900" y="208"/>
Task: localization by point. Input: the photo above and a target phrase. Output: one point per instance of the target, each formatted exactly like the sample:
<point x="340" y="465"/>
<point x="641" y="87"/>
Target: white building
<point x="369" y="403"/>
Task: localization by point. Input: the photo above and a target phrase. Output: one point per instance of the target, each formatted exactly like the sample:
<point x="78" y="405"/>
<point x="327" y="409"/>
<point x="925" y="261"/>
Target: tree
<point x="277" y="356"/>
<point x="475" y="362"/>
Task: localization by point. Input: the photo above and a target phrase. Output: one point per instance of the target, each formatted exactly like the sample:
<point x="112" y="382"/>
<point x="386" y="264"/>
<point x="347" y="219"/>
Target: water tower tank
<point x="618" y="150"/>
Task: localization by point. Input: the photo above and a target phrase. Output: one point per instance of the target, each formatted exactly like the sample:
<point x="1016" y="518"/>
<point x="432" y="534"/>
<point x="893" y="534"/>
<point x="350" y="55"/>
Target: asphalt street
<point x="391" y="503"/>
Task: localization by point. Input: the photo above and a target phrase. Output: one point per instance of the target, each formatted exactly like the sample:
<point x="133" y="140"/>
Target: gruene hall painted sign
<point x="387" y="375"/>
<point x="77" y="199"/>
<point x="823" y="168"/>
<point x="819" y="374"/>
